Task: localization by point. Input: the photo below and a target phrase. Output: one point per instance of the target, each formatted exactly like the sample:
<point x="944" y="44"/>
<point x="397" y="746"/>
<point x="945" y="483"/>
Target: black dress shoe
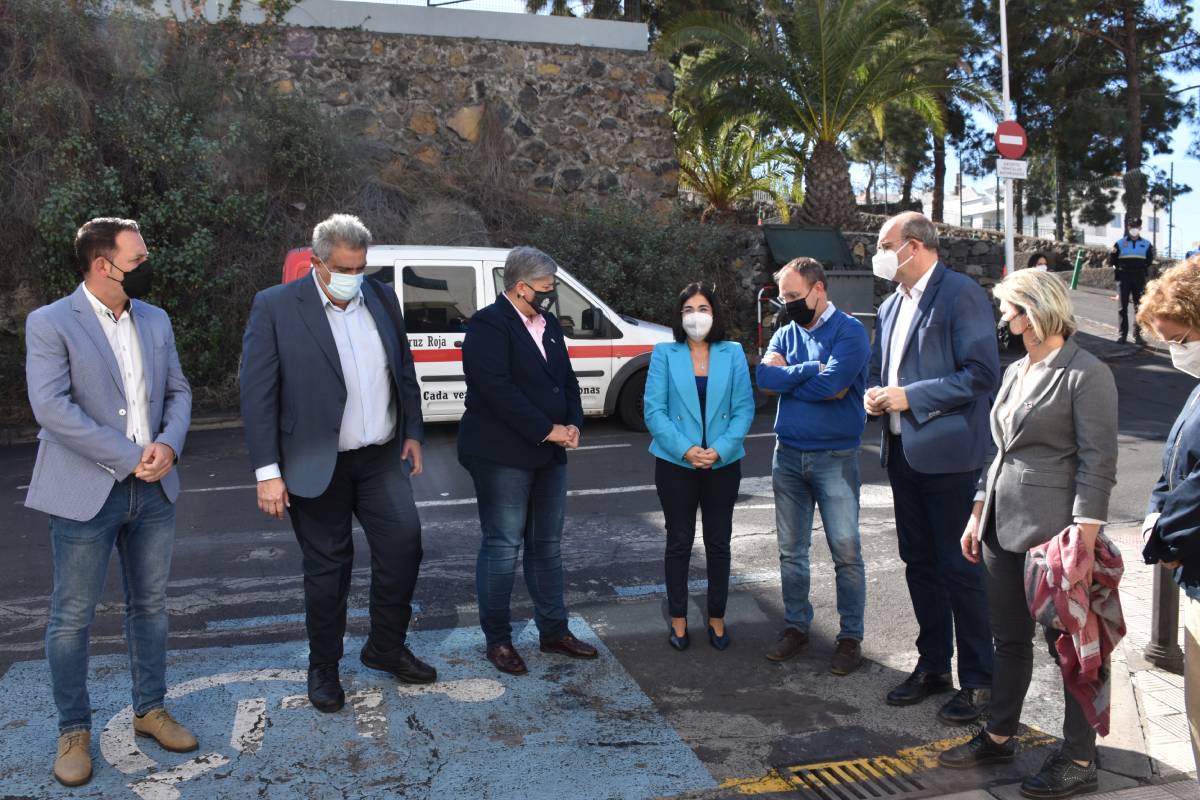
<point x="400" y="662"/>
<point x="325" y="688"/>
<point x="918" y="686"/>
<point x="966" y="706"/>
<point x="981" y="750"/>
<point x="1060" y="777"/>
<point x="720" y="642"/>
<point x="680" y="643"/>
<point x="568" y="645"/>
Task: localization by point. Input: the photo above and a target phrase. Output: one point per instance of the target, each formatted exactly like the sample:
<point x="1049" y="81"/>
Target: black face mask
<point x="1004" y="327"/>
<point x="137" y="281"/>
<point x="797" y="311"/>
<point x="543" y="301"/>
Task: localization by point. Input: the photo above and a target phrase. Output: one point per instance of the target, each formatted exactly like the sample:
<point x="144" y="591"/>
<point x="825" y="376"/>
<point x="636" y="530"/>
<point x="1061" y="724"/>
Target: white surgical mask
<point x="886" y="263"/>
<point x="1186" y="357"/>
<point x="1134" y="233"/>
<point x="697" y="325"/>
<point x="344" y="287"/>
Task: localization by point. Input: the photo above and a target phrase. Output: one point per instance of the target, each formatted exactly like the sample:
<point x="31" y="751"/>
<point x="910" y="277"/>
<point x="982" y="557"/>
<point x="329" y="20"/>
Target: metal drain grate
<point x="858" y="779"/>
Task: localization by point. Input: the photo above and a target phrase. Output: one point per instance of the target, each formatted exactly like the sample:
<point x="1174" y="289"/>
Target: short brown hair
<point x="1175" y="296"/>
<point x="808" y="268"/>
<point x="98" y="237"/>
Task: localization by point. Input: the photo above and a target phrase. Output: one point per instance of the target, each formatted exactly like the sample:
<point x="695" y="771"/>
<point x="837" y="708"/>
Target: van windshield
<point x="577" y="316"/>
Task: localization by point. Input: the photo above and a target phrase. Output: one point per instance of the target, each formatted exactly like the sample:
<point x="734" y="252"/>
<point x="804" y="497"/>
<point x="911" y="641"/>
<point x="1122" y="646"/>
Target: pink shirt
<point x="536" y="326"/>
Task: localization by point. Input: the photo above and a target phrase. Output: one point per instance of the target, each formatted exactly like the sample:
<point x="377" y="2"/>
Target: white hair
<point x="346" y="230"/>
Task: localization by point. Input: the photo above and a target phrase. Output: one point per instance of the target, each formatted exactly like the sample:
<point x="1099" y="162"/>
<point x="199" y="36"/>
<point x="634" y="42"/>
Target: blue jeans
<point x="140" y="521"/>
<point x="520" y="507"/>
<point x="827" y="479"/>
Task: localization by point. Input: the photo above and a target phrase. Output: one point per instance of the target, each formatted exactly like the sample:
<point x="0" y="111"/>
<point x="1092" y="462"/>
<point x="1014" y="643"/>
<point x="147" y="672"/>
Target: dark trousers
<point x="948" y="593"/>
<point x="372" y="484"/>
<point x="1131" y="284"/>
<point x="681" y="491"/>
<point x="520" y="507"/>
<point x="1013" y="629"/>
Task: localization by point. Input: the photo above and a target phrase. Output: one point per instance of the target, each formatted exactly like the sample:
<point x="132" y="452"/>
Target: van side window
<point x="438" y="299"/>
<point x="578" y="317"/>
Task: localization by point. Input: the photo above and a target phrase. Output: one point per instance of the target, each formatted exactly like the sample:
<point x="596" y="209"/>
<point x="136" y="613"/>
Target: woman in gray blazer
<point x="1054" y="429"/>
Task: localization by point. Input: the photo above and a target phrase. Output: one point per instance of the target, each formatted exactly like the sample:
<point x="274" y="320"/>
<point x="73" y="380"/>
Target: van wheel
<point x="631" y="403"/>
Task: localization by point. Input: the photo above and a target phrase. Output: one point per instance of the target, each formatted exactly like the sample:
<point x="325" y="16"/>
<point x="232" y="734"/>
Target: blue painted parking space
<point x="578" y="729"/>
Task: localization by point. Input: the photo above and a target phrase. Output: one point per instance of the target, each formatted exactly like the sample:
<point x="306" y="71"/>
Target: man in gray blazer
<point x="106" y="386"/>
<point x="332" y="410"/>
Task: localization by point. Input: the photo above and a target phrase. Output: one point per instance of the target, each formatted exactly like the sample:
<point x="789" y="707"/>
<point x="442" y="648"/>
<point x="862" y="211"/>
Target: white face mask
<point x="697" y="325"/>
<point x="1134" y="233"/>
<point x="886" y="263"/>
<point x="1040" y="267"/>
<point x="344" y="287"/>
<point x="1186" y="357"/>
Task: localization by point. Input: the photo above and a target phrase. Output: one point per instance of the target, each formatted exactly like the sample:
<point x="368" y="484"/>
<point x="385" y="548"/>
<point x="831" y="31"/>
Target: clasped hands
<point x="565" y="436"/>
<point x="885" y="399"/>
<point x="157" y="461"/>
<point x="701" y="457"/>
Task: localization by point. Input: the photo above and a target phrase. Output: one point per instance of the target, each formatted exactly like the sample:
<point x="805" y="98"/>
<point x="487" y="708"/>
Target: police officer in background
<point x="1131" y="256"/>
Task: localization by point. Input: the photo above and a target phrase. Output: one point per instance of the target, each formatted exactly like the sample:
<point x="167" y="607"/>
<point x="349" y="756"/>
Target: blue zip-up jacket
<point x="811" y="416"/>
<point x="1176" y="499"/>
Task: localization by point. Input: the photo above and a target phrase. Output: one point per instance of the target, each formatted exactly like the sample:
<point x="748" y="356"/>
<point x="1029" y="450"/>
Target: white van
<point x="441" y="287"/>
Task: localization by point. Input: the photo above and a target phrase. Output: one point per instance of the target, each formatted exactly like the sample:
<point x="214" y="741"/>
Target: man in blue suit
<point x="934" y="370"/>
<point x="332" y="411"/>
<point x="523" y="414"/>
<point x="106" y="387"/>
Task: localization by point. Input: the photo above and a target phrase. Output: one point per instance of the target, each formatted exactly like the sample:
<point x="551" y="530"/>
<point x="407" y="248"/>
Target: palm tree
<point x="727" y="164"/>
<point x="816" y="69"/>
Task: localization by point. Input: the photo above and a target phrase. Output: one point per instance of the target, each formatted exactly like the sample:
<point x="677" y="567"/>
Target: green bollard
<point x="1078" y="266"/>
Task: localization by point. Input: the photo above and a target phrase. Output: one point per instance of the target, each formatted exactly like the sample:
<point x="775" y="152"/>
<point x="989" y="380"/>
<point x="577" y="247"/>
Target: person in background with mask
<point x="523" y="415"/>
<point x="332" y="411"/>
<point x="935" y="368"/>
<point x="1132" y="256"/>
<point x="1039" y="262"/>
<point x="1170" y="310"/>
<point x="698" y="409"/>
<point x="106" y="386"/>
<point x="817" y="363"/>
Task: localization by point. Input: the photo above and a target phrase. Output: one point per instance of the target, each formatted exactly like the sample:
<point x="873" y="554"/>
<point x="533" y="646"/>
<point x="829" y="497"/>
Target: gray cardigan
<point x="1057" y="460"/>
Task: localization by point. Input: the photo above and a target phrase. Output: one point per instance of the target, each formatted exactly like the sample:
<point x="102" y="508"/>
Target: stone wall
<point x="577" y="120"/>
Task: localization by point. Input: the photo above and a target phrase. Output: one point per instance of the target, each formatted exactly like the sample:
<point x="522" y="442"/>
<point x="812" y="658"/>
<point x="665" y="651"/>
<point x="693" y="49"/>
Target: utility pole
<point x="1170" y="208"/>
<point x="1008" y="182"/>
<point x="960" y="199"/>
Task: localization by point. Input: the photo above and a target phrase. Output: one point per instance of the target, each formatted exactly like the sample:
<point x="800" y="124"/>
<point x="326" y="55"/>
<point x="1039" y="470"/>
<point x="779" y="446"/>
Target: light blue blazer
<point x="672" y="405"/>
<point x="78" y="397"/>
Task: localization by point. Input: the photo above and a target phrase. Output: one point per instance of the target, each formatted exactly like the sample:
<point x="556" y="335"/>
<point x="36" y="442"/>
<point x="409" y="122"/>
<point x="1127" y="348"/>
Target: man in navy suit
<point x="523" y="414"/>
<point x="332" y="411"/>
<point x="934" y="370"/>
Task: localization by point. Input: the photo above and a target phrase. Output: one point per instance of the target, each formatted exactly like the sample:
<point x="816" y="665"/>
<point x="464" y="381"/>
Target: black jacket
<point x="514" y="396"/>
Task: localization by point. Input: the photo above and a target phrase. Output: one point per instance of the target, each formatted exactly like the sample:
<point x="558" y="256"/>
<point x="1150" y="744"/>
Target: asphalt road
<point x="236" y="583"/>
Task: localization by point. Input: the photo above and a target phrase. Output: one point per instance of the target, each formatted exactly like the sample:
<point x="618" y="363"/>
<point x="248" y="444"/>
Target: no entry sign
<point x="1010" y="139"/>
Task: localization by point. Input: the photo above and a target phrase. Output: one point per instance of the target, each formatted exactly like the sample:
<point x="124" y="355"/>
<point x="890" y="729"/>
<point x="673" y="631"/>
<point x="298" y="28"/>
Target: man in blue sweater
<point x="817" y="363"/>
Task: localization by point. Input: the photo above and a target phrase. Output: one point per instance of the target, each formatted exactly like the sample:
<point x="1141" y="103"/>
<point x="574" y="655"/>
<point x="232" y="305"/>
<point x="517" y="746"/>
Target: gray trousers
<point x="1012" y="631"/>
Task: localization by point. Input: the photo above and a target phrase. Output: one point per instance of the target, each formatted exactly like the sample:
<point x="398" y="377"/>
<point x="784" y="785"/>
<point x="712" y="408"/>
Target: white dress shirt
<point x="910" y="301"/>
<point x="127" y="347"/>
<point x="369" y="417"/>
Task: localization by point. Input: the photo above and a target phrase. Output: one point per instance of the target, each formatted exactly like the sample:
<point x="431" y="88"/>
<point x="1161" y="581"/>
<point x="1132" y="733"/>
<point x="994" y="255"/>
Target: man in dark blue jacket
<point x="934" y="370"/>
<point x="523" y="414"/>
<point x="332" y="412"/>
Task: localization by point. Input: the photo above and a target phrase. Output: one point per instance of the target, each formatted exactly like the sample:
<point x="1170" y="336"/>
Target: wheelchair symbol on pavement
<point x="250" y="723"/>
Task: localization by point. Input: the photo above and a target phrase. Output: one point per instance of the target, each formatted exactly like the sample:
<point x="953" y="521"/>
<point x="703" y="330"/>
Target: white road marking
<point x="600" y="447"/>
<point x="294" y="701"/>
<point x="249" y="725"/>
<point x="369" y="718"/>
<point x="161" y="785"/>
<point x="470" y="690"/>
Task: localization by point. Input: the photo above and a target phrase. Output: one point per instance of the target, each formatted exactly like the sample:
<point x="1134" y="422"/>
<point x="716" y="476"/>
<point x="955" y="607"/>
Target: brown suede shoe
<point x="159" y="725"/>
<point x="791" y="642"/>
<point x="73" y="766"/>
<point x="847" y="657"/>
<point x="507" y="659"/>
<point x="568" y="645"/>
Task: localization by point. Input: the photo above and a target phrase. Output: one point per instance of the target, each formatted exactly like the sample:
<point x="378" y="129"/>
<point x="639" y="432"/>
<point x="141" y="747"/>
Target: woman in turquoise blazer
<point x="698" y="408"/>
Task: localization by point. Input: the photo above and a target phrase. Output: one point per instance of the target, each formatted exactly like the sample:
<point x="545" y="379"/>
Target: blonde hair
<point x="1043" y="298"/>
<point x="1175" y="295"/>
